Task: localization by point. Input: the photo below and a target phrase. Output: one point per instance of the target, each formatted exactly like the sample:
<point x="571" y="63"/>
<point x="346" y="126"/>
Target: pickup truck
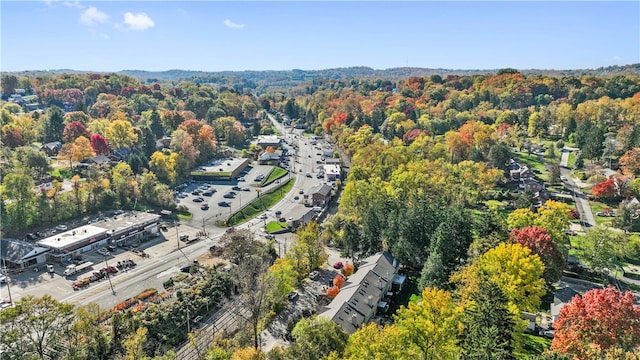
<point x="81" y="283"/>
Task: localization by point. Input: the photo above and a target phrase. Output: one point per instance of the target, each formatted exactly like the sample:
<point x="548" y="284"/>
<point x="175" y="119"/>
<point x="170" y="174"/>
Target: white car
<point x="563" y="178"/>
<point x="263" y="216"/>
<point x="103" y="251"/>
<point x="61" y="227"/>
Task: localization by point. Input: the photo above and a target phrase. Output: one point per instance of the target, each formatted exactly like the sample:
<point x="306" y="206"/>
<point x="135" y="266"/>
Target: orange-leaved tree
<point x="604" y="318"/>
<point x="333" y="291"/>
<point x="347" y="270"/>
<point x="338" y="281"/>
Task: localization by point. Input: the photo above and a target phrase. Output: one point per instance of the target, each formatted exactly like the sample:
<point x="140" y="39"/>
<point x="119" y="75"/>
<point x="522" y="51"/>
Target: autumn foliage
<point x="333" y="291"/>
<point x="540" y="243"/>
<point x="338" y="281"/>
<point x="602" y="318"/>
<point x="347" y="270"/>
<point x="605" y="189"/>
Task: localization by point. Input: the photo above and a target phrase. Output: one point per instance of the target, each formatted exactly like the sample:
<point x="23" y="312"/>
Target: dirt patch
<point x="214" y="261"/>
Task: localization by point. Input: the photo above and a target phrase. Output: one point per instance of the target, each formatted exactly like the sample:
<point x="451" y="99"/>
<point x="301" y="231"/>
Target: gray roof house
<point x="364" y="293"/>
<point x="561" y="298"/>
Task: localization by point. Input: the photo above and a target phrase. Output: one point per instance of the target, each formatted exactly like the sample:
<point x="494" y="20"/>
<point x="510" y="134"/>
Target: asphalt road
<point x="166" y="253"/>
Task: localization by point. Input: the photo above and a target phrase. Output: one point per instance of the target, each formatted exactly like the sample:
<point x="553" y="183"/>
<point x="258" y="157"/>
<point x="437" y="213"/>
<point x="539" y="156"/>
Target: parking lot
<point x="211" y="202"/>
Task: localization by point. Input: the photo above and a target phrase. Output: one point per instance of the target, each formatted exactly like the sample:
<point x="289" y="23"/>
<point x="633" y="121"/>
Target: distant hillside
<point x="364" y="72"/>
<point x="289" y="78"/>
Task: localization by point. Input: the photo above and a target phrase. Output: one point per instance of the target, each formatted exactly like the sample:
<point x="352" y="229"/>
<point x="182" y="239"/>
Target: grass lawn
<point x="571" y="162"/>
<point x="276" y="173"/>
<point x="64" y="173"/>
<point x="534" y="163"/>
<point x="597" y="206"/>
<point x="261" y="204"/>
<point x="184" y="215"/>
<point x="273" y="226"/>
<point x="533" y="345"/>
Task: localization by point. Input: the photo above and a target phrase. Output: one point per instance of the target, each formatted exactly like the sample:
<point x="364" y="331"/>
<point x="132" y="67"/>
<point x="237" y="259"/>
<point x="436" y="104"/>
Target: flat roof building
<point x="332" y="172"/>
<point x="119" y="230"/>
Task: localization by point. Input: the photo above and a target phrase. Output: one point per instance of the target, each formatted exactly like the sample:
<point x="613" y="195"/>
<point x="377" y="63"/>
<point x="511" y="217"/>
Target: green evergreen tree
<point x="488" y="326"/>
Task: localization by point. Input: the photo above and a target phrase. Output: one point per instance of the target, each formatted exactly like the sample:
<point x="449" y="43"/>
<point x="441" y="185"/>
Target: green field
<point x="273" y="226"/>
<point x="571" y="162"/>
<point x="260" y="204"/>
<point x="597" y="206"/>
<point x="276" y="173"/>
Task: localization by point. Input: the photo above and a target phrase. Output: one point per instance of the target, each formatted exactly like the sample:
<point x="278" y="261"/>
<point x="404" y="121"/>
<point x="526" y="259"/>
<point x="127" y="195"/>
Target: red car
<point x="338" y="265"/>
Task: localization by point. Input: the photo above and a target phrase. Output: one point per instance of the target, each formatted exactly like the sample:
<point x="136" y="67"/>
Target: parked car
<point x="270" y="236"/>
<point x="61" y="227"/>
<point x="338" y="265"/>
<point x="198" y="200"/>
<point x="563" y="178"/>
<point x="570" y="232"/>
<point x="228" y="196"/>
<point x="204" y="207"/>
<point x="314" y="275"/>
<point x="282" y="219"/>
<point x="237" y="188"/>
<point x="246" y="189"/>
<point x="104" y="251"/>
<point x="208" y="193"/>
<point x="293" y="296"/>
<point x="240" y="179"/>
<point x="262" y="217"/>
<point x="224" y="203"/>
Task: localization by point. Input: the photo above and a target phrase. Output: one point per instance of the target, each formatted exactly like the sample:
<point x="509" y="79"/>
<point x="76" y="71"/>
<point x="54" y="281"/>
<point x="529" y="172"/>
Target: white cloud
<point x="230" y="24"/>
<point x="73" y="4"/>
<point x="92" y="16"/>
<point x="139" y="21"/>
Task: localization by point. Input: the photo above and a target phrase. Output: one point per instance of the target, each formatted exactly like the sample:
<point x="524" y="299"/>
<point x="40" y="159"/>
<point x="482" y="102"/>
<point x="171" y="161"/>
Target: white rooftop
<point x="71" y="237"/>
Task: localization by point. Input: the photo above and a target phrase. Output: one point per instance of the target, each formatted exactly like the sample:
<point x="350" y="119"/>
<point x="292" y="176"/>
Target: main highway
<point x="167" y="254"/>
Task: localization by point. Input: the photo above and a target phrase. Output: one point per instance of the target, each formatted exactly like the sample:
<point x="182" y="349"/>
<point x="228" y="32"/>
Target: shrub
<point x="333" y="291"/>
<point x="347" y="270"/>
<point x="559" y="144"/>
<point x="146" y="294"/>
<point x="338" y="281"/>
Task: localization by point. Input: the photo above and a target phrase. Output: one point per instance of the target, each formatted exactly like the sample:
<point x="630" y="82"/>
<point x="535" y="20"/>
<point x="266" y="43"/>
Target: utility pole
<point x="113" y="291"/>
<point x="4" y="267"/>
<point x="178" y="236"/>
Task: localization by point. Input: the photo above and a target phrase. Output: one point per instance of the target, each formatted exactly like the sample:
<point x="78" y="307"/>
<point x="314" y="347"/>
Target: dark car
<point x="208" y="193"/>
<point x="204" y="207"/>
<point x="229" y="196"/>
<point x="224" y="203"/>
<point x="198" y="200"/>
<point x="293" y="296"/>
<point x="237" y="188"/>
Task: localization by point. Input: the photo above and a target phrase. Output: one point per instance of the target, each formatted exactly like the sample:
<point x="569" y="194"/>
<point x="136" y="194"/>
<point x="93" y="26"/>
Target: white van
<point x="317" y="208"/>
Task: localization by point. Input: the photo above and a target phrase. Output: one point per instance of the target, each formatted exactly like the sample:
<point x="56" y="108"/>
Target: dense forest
<point x="429" y="181"/>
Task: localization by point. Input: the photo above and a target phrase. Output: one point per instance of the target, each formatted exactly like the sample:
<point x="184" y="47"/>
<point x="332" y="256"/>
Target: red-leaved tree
<point x="605" y="189"/>
<point x="333" y="291"/>
<point x="540" y="243"/>
<point x="99" y="144"/>
<point x="74" y="130"/>
<point x="602" y="318"/>
<point x="338" y="281"/>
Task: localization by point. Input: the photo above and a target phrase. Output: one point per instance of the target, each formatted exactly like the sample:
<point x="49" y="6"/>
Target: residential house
<point x="366" y="293"/>
<point x="320" y="194"/>
<point x="100" y="160"/>
<point x="51" y="148"/>
<point x="561" y="298"/>
<point x="531" y="184"/>
<point x="518" y="172"/>
<point x="121" y="154"/>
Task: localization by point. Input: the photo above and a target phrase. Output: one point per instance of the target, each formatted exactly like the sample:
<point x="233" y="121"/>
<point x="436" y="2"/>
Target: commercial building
<point x="332" y="172"/>
<point x="265" y="141"/>
<point x="220" y="169"/>
<point x="125" y="229"/>
<point x="18" y="254"/>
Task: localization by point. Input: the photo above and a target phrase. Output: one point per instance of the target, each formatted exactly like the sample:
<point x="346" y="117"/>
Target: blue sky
<point x="264" y="35"/>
